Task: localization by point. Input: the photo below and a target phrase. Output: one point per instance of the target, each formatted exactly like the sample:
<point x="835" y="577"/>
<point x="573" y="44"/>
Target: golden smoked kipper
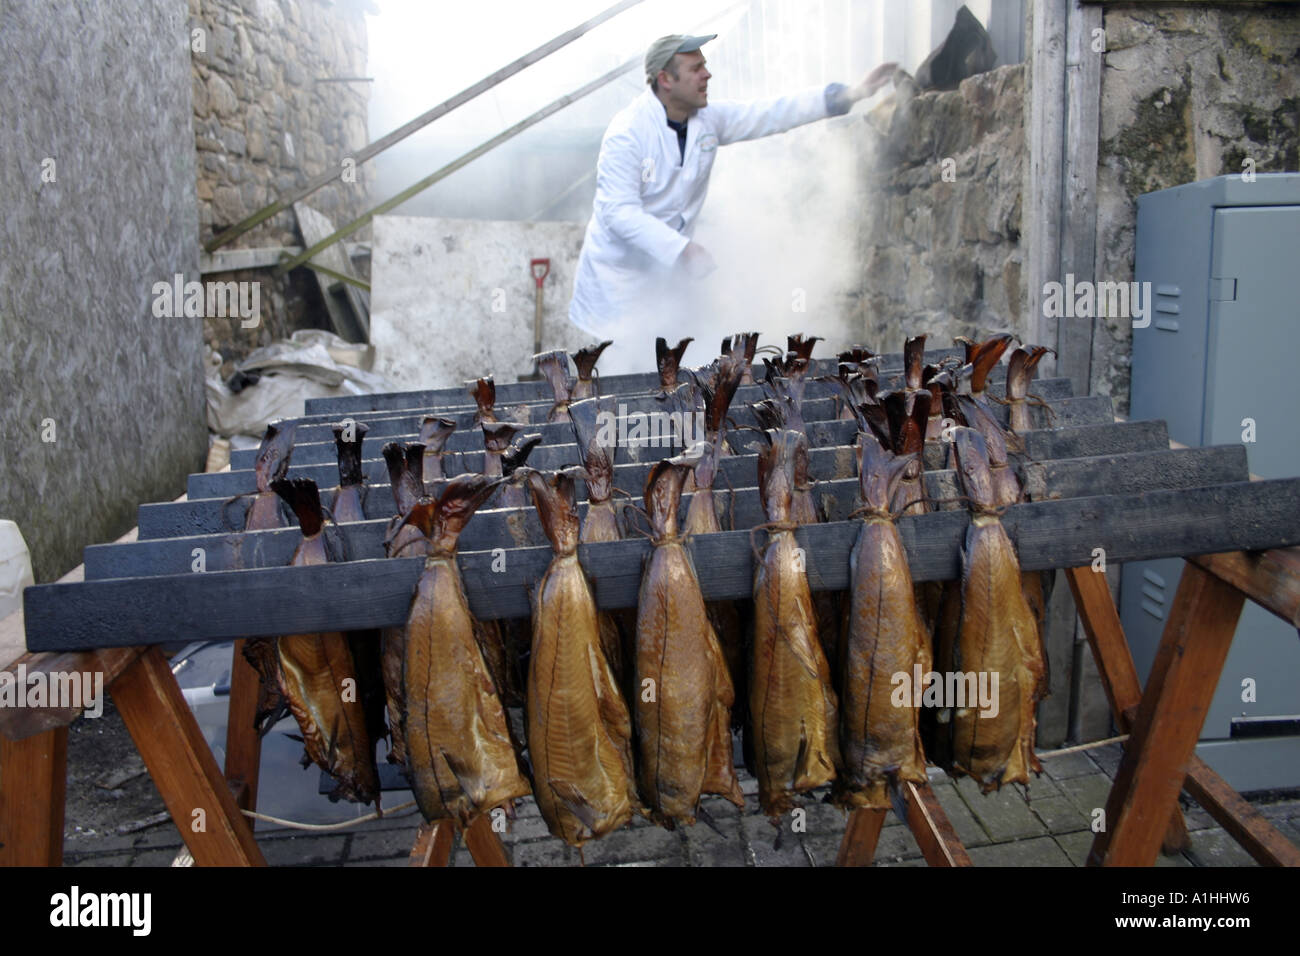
<point x="579" y="730"/>
<point x="791" y="704"/>
<point x="702" y="514"/>
<point x="349" y="496"/>
<point x="314" y="670"/>
<point x="997" y="636"/>
<point x="434" y="432"/>
<point x="272" y="463"/>
<point x="880" y="741"/>
<point x="459" y="754"/>
<point x="405" y="476"/>
<point x="600" y="523"/>
<point x="584" y="360"/>
<point x="684" y="699"/>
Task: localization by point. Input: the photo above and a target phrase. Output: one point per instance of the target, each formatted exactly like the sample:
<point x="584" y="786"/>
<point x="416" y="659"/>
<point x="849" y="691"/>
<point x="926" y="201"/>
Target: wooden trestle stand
<point x="135" y="595"/>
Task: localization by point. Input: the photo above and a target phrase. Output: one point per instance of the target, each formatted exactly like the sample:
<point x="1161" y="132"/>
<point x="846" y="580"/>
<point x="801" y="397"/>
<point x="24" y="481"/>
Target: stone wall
<point x="1188" y="91"/>
<point x="267" y="117"/>
<point x="940" y="242"/>
<point x="102" y="400"/>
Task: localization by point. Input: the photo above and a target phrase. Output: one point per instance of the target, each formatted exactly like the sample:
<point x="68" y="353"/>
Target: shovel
<point x="540" y="268"/>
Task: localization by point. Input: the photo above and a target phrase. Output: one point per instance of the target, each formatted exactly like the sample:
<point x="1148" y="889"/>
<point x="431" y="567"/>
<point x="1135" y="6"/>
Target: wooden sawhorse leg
<point x="182" y="766"/>
<point x="925" y="818"/>
<point x="1115" y="667"/>
<point x="33" y="784"/>
<point x="433" y="843"/>
<point x="243" y="745"/>
<point x="1172" y="710"/>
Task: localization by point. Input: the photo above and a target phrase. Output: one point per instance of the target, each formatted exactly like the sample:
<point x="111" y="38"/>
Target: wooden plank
<point x="182" y="766"/>
<point x="225" y="484"/>
<point x="1078" y="229"/>
<point x="861" y="834"/>
<point x="1058" y="642"/>
<point x="405" y="425"/>
<point x="829" y="457"/>
<point x="521" y="527"/>
<point x="930" y="825"/>
<point x="1163" y="738"/>
<point x="1046" y="142"/>
<point x="536" y="409"/>
<point x="360" y="595"/>
<point x="19" y="723"/>
<point x="350" y="317"/>
<point x="1243" y="822"/>
<point x="483" y="844"/>
<point x="243" y="744"/>
<point x="1100" y="619"/>
<point x="432" y="844"/>
<point x="33" y="784"/>
<point x="1271" y="578"/>
<point x="629" y="383"/>
<point x="471" y="439"/>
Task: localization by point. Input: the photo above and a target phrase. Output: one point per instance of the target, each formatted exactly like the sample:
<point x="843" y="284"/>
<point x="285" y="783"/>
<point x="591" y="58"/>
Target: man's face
<point x="689" y="90"/>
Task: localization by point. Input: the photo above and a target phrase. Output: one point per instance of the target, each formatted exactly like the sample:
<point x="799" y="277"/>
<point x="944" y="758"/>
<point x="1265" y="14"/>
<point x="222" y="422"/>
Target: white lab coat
<point x="648" y="198"/>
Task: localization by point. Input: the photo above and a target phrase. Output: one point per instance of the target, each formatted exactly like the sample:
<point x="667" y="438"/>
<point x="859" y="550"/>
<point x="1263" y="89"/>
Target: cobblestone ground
<point x="1050" y="828"/>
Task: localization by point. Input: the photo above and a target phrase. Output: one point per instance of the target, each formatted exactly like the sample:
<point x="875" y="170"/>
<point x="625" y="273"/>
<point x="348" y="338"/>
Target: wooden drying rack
<point x="1163" y="722"/>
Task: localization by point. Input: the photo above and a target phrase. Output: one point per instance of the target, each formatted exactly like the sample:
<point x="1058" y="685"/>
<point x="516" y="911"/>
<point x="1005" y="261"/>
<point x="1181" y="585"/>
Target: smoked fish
<point x="272" y="463"/>
<point x="741" y="346"/>
<point x="1020" y="372"/>
<point x="315" y="668"/>
<point x="601" y="521"/>
<point x="434" y="432"/>
<point x="668" y="361"/>
<point x="349" y="495"/>
<point x="554" y="367"/>
<point x="460" y="757"/>
<point x="683" y="708"/>
<point x="405" y="464"/>
<point x="880" y="739"/>
<point x="997" y="636"/>
<point x="584" y="360"/>
<point x="791" y="703"/>
<point x="702" y="513"/>
<point x="579" y="729"/>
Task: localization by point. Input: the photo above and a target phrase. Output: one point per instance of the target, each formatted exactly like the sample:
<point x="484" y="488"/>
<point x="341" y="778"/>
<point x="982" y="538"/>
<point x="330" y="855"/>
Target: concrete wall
<point x="97" y="97"/>
<point x="266" y="121"/>
<point x="1188" y="91"/>
<point x="453" y="298"/>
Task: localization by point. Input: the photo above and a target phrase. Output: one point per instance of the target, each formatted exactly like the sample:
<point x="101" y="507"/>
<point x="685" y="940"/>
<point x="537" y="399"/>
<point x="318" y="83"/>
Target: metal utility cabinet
<point x="1218" y="362"/>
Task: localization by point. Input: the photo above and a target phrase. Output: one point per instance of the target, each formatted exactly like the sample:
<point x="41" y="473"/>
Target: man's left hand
<point x="874" y="81"/>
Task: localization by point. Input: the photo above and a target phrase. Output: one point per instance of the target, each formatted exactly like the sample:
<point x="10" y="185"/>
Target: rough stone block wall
<point x="1188" y="92"/>
<point x="103" y="401"/>
<point x="941" y="238"/>
<point x="266" y="119"/>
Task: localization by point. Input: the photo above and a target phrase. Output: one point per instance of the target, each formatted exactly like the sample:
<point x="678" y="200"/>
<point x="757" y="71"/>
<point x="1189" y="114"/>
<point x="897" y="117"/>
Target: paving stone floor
<point x="1052" y="827"/>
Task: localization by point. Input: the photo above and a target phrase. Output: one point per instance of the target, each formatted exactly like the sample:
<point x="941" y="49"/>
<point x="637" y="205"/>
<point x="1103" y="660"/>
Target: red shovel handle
<point x="540" y="277"/>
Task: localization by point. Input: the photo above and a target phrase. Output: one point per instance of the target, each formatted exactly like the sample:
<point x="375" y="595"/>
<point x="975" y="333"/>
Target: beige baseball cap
<point x="663" y="50"/>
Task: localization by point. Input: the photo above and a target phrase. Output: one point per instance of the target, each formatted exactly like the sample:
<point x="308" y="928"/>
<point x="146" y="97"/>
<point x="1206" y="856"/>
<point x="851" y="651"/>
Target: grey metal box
<point x="1218" y="363"/>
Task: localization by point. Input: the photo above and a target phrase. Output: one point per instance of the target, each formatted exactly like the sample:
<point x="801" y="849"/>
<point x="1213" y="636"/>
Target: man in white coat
<point x="651" y="179"/>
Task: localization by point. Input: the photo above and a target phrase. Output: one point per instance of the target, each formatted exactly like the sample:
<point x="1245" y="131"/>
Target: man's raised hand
<point x="874" y="81"/>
